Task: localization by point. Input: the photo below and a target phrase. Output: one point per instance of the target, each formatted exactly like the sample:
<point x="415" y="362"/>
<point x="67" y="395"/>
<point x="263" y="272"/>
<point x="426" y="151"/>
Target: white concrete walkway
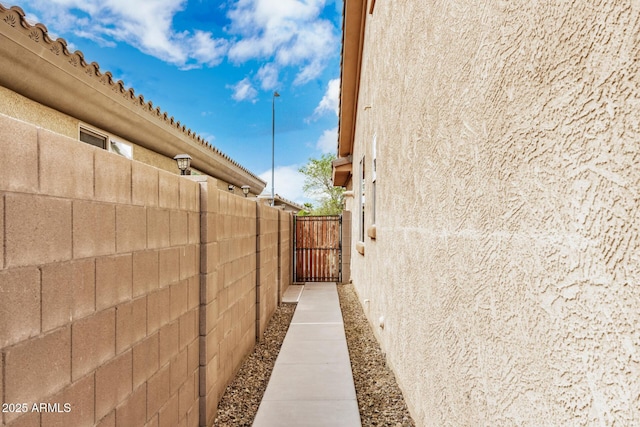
<point x="312" y="383"/>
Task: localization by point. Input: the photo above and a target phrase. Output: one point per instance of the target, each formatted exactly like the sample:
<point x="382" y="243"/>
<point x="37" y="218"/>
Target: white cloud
<point x="309" y="72"/>
<point x="331" y="99"/>
<point x="244" y="91"/>
<point x="288" y="183"/>
<point x="206" y="49"/>
<point x="291" y="31"/>
<point x="268" y="76"/>
<point x="328" y="142"/>
<point x="209" y="137"/>
<point x="147" y="25"/>
<point x="284" y="33"/>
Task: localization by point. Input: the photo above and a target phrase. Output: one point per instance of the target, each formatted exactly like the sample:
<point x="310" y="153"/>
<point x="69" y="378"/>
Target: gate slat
<point x="317" y="248"/>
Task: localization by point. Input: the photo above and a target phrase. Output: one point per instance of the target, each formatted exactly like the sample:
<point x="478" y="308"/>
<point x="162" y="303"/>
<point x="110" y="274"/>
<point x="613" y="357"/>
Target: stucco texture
<point x="19" y="107"/>
<point x="506" y="261"/>
<point x="24" y="109"/>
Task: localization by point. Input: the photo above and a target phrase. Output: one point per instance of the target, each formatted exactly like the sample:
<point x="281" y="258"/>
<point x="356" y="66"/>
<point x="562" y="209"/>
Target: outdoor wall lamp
<point x="245" y="190"/>
<point x="184" y="161"/>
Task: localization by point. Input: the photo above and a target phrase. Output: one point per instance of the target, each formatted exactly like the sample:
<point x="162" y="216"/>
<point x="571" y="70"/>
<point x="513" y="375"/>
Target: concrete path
<point x="292" y="294"/>
<point x="311" y="383"/>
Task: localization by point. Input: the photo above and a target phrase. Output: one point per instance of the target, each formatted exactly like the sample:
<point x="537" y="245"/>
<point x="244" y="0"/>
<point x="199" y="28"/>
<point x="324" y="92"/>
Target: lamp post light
<point x="273" y="142"/>
<point x="245" y="190"/>
<point x="184" y="161"/>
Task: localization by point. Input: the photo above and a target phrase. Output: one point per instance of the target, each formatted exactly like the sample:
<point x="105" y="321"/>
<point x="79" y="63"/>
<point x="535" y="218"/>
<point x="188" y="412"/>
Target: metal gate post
<point x="295" y="249"/>
<point x="340" y="252"/>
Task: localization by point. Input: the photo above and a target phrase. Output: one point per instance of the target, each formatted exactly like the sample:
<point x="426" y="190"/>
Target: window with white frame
<point x="93" y="138"/>
<point x="105" y="141"/>
<point x="373" y="178"/>
<point x="122" y="148"/>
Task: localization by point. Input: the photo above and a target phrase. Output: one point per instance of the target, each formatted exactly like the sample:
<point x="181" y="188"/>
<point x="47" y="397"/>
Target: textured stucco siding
<point x="507" y="258"/>
<point x="21" y="108"/>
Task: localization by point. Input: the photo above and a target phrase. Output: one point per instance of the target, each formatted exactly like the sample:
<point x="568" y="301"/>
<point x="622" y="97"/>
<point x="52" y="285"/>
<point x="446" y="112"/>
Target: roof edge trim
<point x="74" y="64"/>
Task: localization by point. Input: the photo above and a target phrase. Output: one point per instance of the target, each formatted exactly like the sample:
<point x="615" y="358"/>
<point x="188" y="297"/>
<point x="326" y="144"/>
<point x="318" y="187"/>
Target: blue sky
<point x="214" y="65"/>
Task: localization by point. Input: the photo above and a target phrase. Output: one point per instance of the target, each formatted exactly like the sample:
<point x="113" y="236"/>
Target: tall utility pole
<point x="273" y="145"/>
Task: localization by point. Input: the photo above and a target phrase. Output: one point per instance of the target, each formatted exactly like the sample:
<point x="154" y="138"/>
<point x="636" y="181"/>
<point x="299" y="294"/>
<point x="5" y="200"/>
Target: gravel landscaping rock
<point x="241" y="399"/>
<point x="379" y="397"/>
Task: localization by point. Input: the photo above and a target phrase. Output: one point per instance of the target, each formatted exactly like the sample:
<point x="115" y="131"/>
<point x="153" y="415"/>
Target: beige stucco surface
<point x="19" y="107"/>
<point x="152" y="158"/>
<point x="506" y="262"/>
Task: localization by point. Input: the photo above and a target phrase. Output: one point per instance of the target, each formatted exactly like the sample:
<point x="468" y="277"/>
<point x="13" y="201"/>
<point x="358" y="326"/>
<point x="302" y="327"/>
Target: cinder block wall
<point x="109" y="300"/>
<point x="267" y="263"/>
<point x="285" y="258"/>
<point x="99" y="284"/>
<point x="227" y="331"/>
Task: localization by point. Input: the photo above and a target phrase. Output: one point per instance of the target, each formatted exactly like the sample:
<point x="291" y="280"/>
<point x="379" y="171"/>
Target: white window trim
<point x="110" y="138"/>
<point x="374" y="175"/>
<point x="361" y="199"/>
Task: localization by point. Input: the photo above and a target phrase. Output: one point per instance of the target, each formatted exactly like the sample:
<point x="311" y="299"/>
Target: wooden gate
<point x="318" y="249"/>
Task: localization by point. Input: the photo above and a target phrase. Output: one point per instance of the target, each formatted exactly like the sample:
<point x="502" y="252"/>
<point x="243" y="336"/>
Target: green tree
<point x="319" y="186"/>
<point x="308" y="208"/>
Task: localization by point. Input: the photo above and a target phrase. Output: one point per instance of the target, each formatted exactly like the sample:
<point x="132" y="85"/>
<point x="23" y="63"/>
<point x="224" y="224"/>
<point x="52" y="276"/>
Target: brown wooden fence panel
<point x="318" y="245"/>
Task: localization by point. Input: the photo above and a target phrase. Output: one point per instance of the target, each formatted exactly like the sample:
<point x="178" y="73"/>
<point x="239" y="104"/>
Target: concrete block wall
<point x="239" y="241"/>
<point x="285" y="258"/>
<point x="228" y="290"/>
<point x="237" y="286"/>
<point x="209" y="358"/>
<point x="267" y="266"/>
<point x="127" y="292"/>
<point x="99" y="282"/>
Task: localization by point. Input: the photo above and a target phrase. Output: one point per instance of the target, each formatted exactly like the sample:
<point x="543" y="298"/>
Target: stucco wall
<point x="154" y="159"/>
<point x="506" y="259"/>
<point x="21" y="108"/>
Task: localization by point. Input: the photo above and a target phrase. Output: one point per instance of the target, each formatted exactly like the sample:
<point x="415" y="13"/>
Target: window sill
<point x="360" y="247"/>
<point x="371" y="232"/>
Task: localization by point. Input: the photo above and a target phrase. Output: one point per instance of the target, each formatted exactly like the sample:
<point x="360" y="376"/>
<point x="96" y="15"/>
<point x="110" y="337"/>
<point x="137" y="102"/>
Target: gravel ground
<point x="379" y="398"/>
<point x="241" y="399"/>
